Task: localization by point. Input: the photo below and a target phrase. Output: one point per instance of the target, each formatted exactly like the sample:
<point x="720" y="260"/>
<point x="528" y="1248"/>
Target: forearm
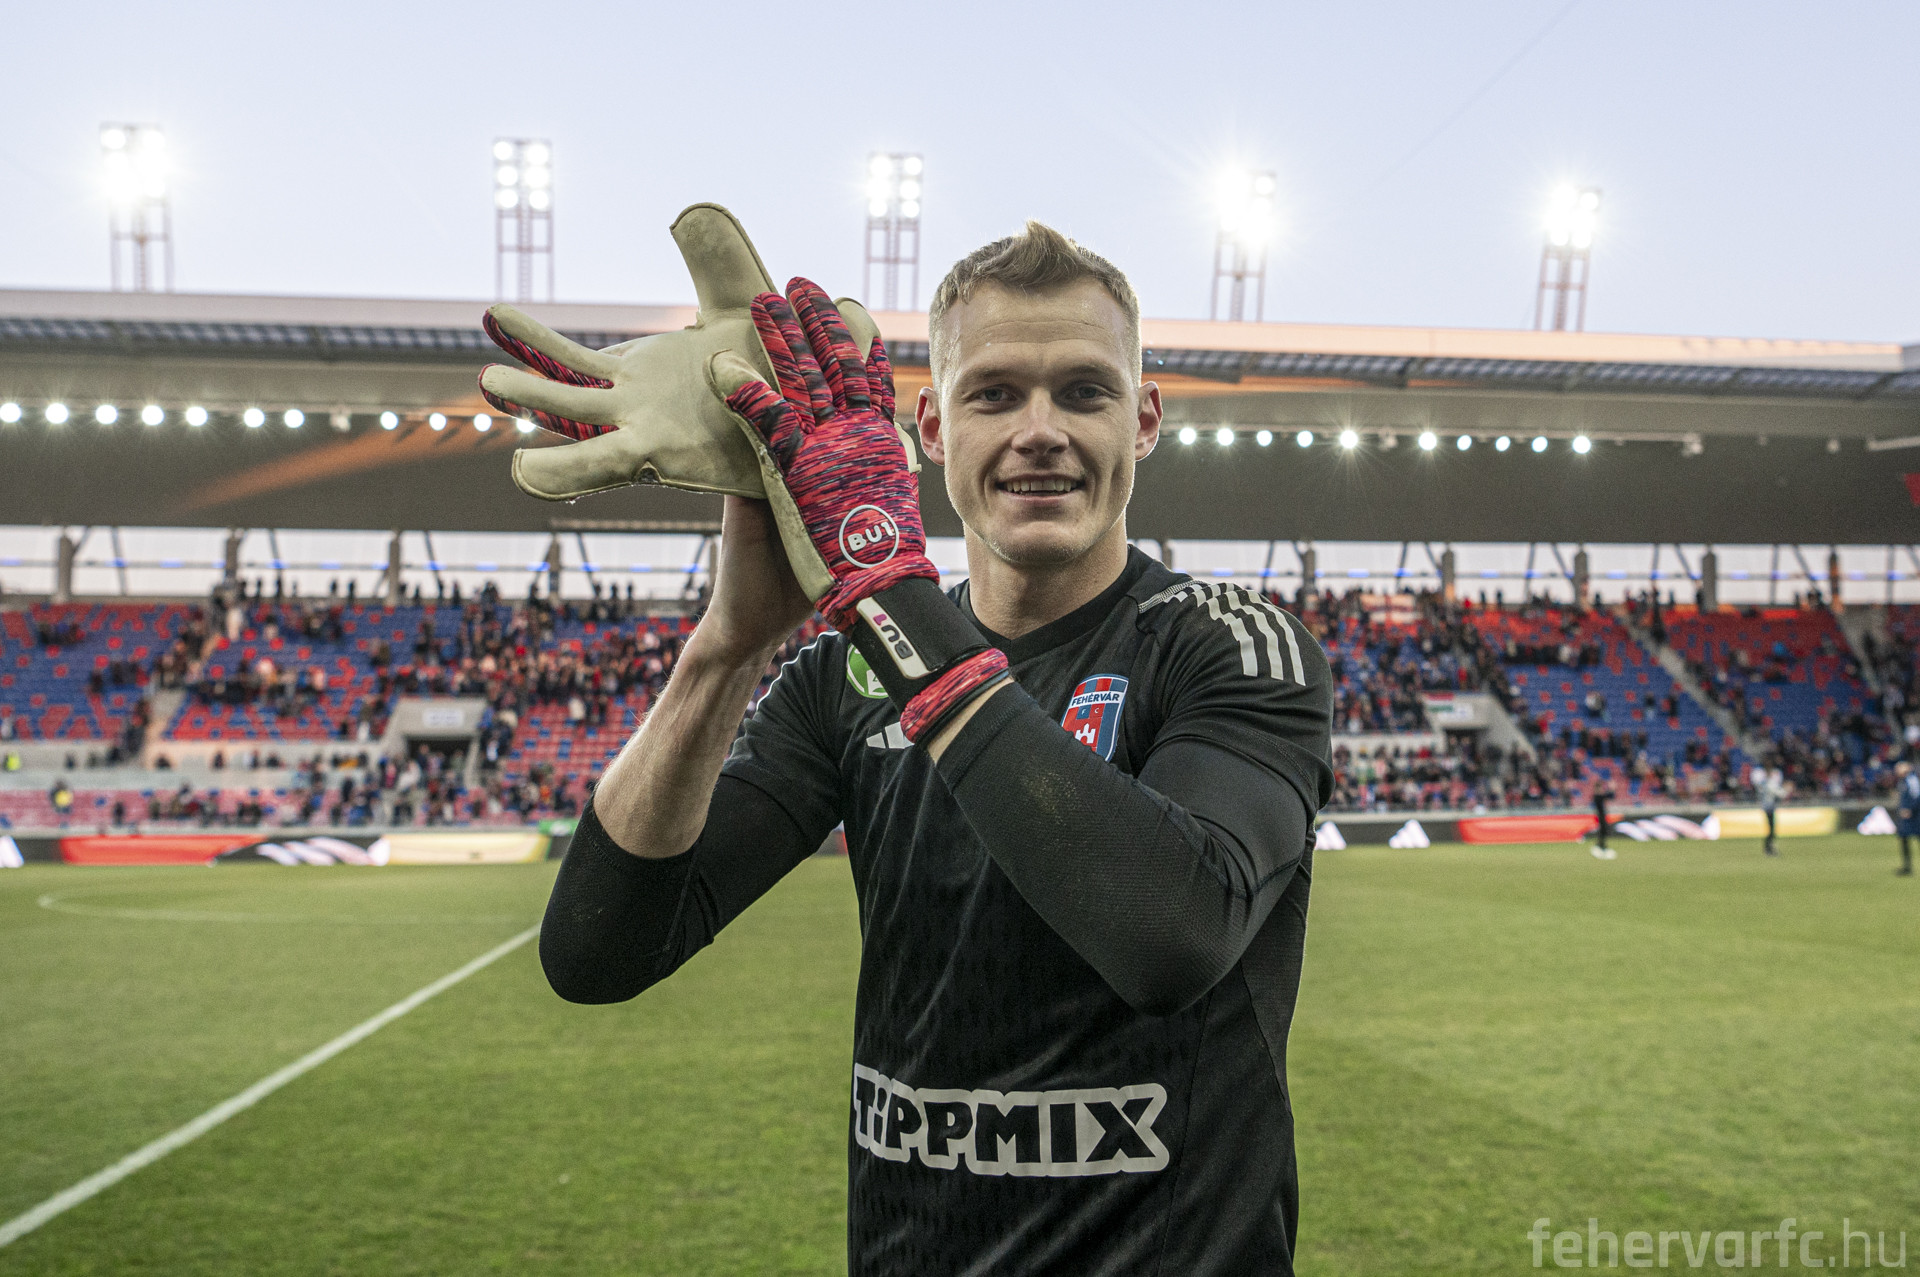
<point x="653" y="798"/>
<point x="617" y="923"/>
<point x="1159" y="881"/>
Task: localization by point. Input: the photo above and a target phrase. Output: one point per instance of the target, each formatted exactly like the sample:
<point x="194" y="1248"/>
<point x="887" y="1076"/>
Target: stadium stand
<point x="77" y="672"/>
<point x="1778" y="670"/>
<point x="302" y="691"/>
<point x="1790" y="678"/>
<point x="1583" y="686"/>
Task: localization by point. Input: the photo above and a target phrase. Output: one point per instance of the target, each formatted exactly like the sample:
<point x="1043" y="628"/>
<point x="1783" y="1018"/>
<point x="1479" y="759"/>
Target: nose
<point x="1038" y="435"/>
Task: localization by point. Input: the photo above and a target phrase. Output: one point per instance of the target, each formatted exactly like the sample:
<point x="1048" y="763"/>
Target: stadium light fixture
<point x="523" y="425"/>
<point x="152" y="415"/>
<point x="1349" y="439"/>
<point x="1428" y="441"/>
<point x="1223" y="436"/>
<point x="1263" y="437"/>
<point x="253" y="418"/>
<point x="1244" y="202"/>
<point x="9" y="413"/>
<point x="1571" y="214"/>
<point x="293" y="418"/>
<point x="106" y="414"/>
<point x="135" y="167"/>
<point x="196" y="415"/>
<point x="482" y="422"/>
<point x="1188" y="435"/>
<point x="56" y="414"/>
<point x="389" y="420"/>
<point x="896" y="189"/>
<point x="1502" y="444"/>
<point x="1540" y="443"/>
<point x="1463" y="442"/>
<point x="1304" y="438"/>
<point x="1582" y="444"/>
<point x="1566" y="258"/>
<point x="437" y="420"/>
<point x="522" y="214"/>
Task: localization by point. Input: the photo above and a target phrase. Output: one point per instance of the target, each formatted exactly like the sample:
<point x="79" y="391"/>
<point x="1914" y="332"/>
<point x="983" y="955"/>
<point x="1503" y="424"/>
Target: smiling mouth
<point x="1039" y="486"/>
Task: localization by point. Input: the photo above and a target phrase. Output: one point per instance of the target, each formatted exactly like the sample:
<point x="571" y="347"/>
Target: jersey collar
<point x="1080" y="621"/>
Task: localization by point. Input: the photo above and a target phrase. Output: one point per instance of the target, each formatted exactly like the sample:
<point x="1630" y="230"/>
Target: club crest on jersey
<point x="1093" y="712"/>
<point x="869" y="536"/>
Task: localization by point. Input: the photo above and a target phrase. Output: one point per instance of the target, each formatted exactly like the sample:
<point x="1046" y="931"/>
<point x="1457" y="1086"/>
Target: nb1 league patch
<point x="861" y="675"/>
<point x="1093" y="713"/>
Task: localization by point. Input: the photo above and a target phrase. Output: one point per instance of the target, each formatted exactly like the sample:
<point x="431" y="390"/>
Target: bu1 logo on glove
<point x="868" y="537"/>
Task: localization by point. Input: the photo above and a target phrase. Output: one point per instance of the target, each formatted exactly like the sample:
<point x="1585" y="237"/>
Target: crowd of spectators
<point x="602" y="662"/>
<point x="1384" y="657"/>
<point x="1381" y="664"/>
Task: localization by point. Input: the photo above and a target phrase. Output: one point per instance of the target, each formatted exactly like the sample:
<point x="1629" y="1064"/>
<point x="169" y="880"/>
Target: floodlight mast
<point x="1566" y="258"/>
<point x="139" y="216"/>
<point x="1245" y="203"/>
<point x="894" y="194"/>
<point x="522" y="215"/>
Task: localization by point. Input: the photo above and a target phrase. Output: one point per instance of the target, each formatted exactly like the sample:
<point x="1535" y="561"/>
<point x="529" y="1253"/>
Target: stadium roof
<point x="334" y="328"/>
<point x="1694" y="418"/>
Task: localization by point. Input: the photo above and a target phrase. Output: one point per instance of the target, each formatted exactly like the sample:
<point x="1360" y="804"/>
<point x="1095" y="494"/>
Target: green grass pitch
<point x="1690" y="1037"/>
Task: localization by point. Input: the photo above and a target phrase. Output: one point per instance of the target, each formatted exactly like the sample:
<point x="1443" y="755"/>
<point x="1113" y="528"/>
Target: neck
<point x="1013" y="599"/>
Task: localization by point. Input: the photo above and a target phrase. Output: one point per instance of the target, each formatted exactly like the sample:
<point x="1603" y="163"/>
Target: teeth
<point x="1039" y="485"/>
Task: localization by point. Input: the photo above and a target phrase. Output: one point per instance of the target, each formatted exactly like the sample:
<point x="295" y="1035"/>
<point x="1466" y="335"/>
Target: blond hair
<point x="1039" y="259"/>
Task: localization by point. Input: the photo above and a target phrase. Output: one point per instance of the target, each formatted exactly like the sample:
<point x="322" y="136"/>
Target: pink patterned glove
<point x="830" y="430"/>
<point x="830" y="434"/>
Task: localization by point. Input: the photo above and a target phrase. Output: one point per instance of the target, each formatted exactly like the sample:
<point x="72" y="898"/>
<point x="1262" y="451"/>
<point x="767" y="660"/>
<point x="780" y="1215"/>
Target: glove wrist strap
<point x="926" y="713"/>
<point x="912" y="633"/>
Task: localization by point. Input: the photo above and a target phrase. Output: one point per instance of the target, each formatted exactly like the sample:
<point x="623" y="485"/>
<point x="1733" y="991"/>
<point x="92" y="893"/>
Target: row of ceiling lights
<point x="58" y="414"/>
<point x="293" y="418"/>
<point x="1350" y="439"/>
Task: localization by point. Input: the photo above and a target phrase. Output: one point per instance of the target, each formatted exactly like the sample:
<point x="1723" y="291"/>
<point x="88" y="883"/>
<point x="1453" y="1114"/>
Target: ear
<point x="1149" y="423"/>
<point x="926" y="415"/>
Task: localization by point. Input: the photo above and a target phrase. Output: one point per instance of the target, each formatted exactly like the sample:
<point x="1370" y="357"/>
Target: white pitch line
<point x="21" y="1225"/>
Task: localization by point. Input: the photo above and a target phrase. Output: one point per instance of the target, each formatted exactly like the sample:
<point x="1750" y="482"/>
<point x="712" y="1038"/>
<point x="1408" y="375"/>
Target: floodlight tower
<point x="1566" y="257"/>
<point x="522" y="214"/>
<point x="1240" y="249"/>
<point x="138" y="215"/>
<point x="893" y="227"/>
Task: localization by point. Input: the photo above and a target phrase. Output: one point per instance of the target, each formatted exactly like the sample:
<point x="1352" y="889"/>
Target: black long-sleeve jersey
<point x="1080" y="947"/>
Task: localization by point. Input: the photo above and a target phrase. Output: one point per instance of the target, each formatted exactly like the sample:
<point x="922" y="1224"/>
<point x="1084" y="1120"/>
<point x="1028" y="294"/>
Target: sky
<point x="1755" y="158"/>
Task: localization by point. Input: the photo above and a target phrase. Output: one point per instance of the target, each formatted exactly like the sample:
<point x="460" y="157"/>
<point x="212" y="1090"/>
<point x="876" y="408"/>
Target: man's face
<point x="1040" y="420"/>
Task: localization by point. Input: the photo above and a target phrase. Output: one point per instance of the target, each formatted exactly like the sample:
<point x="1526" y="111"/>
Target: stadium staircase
<point x="1632" y="686"/>
<point x="1676" y="667"/>
<point x="1791" y="667"/>
<point x="1866" y="628"/>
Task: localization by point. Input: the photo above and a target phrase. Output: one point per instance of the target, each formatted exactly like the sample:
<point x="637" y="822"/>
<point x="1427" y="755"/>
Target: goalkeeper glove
<point x="839" y="475"/>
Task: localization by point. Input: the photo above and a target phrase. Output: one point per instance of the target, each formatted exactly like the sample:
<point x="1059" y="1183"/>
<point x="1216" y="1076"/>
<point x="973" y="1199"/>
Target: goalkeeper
<point x="1078" y="802"/>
